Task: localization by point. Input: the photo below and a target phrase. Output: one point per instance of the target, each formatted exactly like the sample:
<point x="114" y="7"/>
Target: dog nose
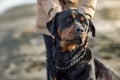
<point x="78" y="30"/>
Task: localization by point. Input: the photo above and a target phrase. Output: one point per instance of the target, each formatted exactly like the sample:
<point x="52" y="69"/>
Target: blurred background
<point x="22" y="50"/>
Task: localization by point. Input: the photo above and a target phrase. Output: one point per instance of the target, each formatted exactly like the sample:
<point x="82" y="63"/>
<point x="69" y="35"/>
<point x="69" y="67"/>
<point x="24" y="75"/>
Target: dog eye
<point x="68" y="20"/>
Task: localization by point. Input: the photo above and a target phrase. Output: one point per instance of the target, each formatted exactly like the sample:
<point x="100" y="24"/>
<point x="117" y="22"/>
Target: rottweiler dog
<point x="71" y="59"/>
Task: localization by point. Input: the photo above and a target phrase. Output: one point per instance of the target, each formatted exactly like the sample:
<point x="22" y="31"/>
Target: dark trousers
<point x="49" y="44"/>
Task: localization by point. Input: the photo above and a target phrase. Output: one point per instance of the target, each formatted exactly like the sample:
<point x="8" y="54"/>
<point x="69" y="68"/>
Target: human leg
<point x="48" y="43"/>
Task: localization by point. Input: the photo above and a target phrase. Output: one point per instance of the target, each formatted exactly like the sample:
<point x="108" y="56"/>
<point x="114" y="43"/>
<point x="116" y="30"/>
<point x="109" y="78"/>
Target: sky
<point x="8" y="4"/>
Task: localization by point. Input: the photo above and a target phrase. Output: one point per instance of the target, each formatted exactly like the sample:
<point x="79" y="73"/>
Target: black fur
<point x="89" y="68"/>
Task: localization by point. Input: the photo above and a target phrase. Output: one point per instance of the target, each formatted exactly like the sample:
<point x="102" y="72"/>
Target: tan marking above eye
<point x="82" y="19"/>
<point x="73" y="15"/>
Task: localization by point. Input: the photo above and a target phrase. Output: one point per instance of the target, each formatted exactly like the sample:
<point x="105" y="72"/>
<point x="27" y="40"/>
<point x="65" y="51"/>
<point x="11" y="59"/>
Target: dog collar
<point x="77" y="58"/>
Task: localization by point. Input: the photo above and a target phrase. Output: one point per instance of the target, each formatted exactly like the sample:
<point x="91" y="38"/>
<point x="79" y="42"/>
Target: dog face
<point x="70" y="27"/>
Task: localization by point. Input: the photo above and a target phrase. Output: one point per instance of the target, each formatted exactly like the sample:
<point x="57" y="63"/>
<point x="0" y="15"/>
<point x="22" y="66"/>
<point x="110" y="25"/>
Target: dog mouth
<point x="71" y="43"/>
<point x="76" y="40"/>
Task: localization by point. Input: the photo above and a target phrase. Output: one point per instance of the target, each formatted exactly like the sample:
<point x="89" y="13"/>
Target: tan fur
<point x="84" y="35"/>
<point x="82" y="19"/>
<point x="73" y="15"/>
<point x="67" y="46"/>
<point x="68" y="34"/>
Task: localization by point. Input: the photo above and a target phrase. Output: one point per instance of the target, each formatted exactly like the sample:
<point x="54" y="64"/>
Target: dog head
<point x="70" y="28"/>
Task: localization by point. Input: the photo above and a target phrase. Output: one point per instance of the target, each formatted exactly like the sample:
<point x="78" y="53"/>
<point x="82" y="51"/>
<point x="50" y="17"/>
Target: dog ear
<point x="92" y="28"/>
<point x="52" y="25"/>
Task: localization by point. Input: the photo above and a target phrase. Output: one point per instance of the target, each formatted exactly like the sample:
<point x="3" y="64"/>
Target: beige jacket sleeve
<point x="48" y="8"/>
<point x="86" y="6"/>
